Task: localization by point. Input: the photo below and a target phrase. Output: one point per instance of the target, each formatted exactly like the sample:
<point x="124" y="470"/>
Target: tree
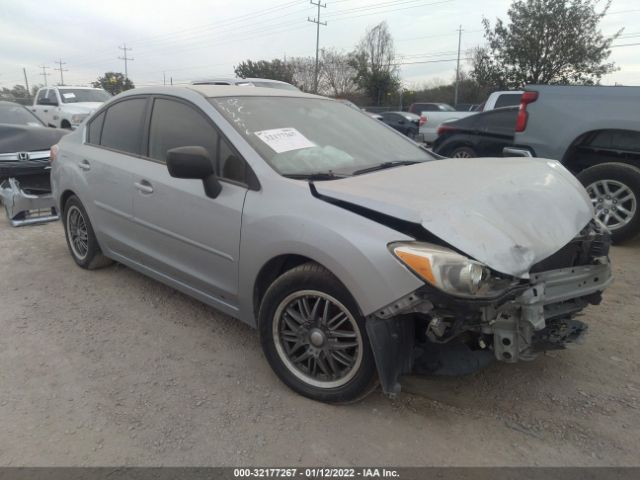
<point x="373" y="61"/>
<point x="274" y="70"/>
<point x="114" y="83"/>
<point x="337" y="73"/>
<point x="545" y="42"/>
<point x="304" y="73"/>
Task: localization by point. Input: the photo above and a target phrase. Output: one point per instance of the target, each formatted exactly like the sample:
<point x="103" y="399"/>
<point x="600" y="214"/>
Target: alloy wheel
<point x="614" y="202"/>
<point x="317" y="339"/>
<point x="77" y="232"/>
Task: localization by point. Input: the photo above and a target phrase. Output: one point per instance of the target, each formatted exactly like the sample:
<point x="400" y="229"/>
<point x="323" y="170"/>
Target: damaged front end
<point x="435" y="331"/>
<point x="25" y="188"/>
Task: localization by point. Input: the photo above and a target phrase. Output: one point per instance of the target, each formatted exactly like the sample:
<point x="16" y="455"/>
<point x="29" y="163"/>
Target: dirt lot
<point x="111" y="368"/>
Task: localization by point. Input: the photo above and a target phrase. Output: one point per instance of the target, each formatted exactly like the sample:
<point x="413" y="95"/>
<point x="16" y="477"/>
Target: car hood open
<point x="509" y="213"/>
<point x="25" y="138"/>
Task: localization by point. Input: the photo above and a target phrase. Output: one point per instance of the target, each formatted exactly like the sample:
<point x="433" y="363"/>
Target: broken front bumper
<point x="535" y="317"/>
<point x="24" y="206"/>
<point x="541" y="318"/>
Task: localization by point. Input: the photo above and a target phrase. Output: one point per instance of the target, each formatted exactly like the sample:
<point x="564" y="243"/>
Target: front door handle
<point x="84" y="165"/>
<point x="46" y="111"/>
<point x="144" y="186"/>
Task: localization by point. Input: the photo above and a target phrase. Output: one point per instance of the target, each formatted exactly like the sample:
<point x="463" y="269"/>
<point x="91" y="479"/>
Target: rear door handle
<point x="84" y="165"/>
<point x="144" y="186"/>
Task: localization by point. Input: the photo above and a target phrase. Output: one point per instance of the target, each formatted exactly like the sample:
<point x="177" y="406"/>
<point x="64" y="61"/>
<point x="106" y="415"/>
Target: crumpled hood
<point x="24" y="138"/>
<point x="508" y="213"/>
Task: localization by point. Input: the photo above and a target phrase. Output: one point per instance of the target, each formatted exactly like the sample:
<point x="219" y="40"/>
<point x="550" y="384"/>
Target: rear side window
<point x="124" y="125"/>
<point x="175" y="124"/>
<point x="42" y="94"/>
<point x="95" y="129"/>
<point x="508" y="100"/>
<point x="51" y="97"/>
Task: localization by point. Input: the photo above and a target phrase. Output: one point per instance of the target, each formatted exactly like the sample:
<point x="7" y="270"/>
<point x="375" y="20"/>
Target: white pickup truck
<point x="67" y="107"/>
<point x="430" y="120"/>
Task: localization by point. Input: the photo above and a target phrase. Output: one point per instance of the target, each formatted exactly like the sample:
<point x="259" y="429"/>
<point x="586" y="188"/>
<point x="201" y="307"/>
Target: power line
<point x="318" y="23"/>
<point x="44" y="73"/>
<point x="126" y="59"/>
<point x="61" y="70"/>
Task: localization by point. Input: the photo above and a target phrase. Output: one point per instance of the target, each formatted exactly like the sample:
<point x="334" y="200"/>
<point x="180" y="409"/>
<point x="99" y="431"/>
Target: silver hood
<point x="508" y="213"/>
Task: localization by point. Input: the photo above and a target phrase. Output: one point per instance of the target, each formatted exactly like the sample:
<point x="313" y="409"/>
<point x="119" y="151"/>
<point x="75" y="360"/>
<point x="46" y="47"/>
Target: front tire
<point x="314" y="337"/>
<point x="81" y="239"/>
<point x="463" y="152"/>
<point x="614" y="189"/>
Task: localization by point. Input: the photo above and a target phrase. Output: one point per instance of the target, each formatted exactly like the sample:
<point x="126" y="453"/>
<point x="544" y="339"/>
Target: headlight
<point x="449" y="271"/>
<point x="78" y="117"/>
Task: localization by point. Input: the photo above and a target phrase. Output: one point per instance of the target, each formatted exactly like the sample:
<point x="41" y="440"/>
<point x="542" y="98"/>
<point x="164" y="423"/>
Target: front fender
<point x="350" y="246"/>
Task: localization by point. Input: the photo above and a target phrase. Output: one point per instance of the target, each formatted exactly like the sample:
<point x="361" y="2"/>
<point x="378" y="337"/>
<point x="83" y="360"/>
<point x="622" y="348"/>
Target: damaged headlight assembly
<point x="78" y="117"/>
<point x="449" y="271"/>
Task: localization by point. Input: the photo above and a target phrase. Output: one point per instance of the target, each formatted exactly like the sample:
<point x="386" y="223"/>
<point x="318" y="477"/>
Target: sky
<point x="194" y="39"/>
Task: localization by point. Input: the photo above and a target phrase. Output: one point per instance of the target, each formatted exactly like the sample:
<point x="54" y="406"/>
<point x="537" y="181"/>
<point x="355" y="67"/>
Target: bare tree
<point x="374" y="61"/>
<point x="304" y="73"/>
<point x="337" y="73"/>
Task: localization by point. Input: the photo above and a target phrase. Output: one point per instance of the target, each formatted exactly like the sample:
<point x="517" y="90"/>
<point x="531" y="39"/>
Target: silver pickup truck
<point x="595" y="132"/>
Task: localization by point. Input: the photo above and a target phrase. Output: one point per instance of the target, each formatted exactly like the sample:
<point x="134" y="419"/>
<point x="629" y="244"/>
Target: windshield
<point x="446" y="108"/>
<point x="77" y="95"/>
<point x="299" y="136"/>
<point x="18" y="115"/>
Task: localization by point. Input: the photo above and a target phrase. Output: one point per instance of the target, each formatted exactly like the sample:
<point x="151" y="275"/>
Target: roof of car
<point x="232" y="91"/>
<point x="234" y="80"/>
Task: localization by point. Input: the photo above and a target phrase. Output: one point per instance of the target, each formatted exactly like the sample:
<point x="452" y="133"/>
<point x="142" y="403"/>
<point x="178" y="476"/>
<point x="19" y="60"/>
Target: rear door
<point x="113" y="145"/>
<point x="190" y="238"/>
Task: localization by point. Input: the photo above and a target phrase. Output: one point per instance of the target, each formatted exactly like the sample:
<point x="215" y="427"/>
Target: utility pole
<point x="125" y="58"/>
<point x="455" y="95"/>
<point x="318" y="23"/>
<point x="60" y="69"/>
<point x="164" y="79"/>
<point x="44" y="73"/>
<point x="26" y="82"/>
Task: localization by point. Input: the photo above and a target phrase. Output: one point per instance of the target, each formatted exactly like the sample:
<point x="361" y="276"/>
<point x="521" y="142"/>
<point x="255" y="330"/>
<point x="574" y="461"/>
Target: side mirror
<point x="195" y="163"/>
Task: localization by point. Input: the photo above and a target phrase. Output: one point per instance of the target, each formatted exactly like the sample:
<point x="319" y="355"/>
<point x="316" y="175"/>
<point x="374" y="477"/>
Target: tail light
<point x="442" y="129"/>
<point x="53" y="153"/>
<point x="423" y="120"/>
<point x="523" y="116"/>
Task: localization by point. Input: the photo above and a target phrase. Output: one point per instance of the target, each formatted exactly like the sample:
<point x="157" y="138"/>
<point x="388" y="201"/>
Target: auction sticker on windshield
<point x="69" y="95"/>
<point x="284" y="139"/>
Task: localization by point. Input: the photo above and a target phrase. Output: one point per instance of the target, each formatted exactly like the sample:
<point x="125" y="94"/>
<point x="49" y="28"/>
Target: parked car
<point x="482" y="135"/>
<point x="248" y="82"/>
<point x="602" y="149"/>
<point x="67" y="107"/>
<point x="341" y="240"/>
<point x="25" y="143"/>
<point x="431" y="121"/>
<point x="405" y="122"/>
<point x="502" y="99"/>
<point x="420" y="107"/>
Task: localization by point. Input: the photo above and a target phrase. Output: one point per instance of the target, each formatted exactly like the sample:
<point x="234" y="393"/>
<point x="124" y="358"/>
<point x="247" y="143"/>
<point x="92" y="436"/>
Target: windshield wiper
<point x="313" y="176"/>
<point x="385" y="165"/>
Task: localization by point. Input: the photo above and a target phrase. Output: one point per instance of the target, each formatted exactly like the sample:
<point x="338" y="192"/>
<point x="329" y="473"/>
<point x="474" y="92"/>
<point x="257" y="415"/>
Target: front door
<point x="188" y="237"/>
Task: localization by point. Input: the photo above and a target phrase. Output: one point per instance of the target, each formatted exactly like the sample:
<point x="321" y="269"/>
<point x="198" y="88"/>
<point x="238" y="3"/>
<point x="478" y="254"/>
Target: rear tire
<point x="81" y="239"/>
<point x="614" y="189"/>
<point x="463" y="152"/>
<point x="314" y="337"/>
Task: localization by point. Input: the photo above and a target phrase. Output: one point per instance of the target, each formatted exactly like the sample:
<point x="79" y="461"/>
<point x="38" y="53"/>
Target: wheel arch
<point x="574" y="156"/>
<point x="273" y="269"/>
<point x="64" y="197"/>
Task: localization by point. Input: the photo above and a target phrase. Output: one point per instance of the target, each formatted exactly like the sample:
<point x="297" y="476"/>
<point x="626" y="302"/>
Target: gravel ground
<point x="112" y="368"/>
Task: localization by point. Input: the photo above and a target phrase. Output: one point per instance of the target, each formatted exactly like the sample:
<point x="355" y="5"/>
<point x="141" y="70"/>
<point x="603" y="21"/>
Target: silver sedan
<point x="357" y="253"/>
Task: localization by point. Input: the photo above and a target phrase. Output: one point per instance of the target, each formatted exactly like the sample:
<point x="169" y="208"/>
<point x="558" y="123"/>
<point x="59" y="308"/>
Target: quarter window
<point x="124" y="126"/>
<point x="95" y="129"/>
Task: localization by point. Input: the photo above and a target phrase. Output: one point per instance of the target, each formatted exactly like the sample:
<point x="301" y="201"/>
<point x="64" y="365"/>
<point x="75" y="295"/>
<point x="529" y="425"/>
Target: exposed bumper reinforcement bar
<point x="25" y="208"/>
